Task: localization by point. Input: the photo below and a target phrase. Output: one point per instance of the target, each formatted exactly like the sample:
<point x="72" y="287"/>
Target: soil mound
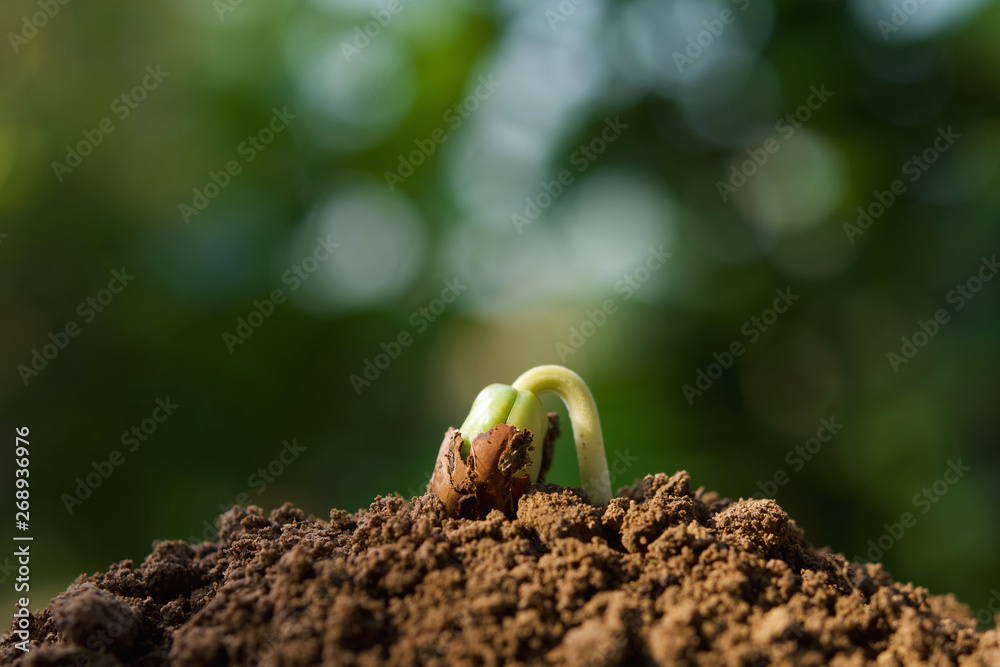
<point x="663" y="575"/>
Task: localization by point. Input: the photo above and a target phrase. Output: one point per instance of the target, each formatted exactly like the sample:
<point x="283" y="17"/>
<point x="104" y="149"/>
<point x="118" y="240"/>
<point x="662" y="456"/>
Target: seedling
<point x="505" y="444"/>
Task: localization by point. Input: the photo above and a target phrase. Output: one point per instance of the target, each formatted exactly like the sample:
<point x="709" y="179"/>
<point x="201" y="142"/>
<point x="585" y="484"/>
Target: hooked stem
<point x="573" y="391"/>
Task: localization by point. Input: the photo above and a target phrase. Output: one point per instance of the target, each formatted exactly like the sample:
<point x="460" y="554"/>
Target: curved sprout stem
<point x="574" y="392"/>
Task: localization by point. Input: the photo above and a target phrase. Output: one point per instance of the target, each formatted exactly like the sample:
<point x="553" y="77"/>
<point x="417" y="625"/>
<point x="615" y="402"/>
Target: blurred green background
<point x="642" y="108"/>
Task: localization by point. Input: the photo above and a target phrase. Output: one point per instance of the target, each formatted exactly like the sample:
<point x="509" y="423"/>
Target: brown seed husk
<point x="471" y="487"/>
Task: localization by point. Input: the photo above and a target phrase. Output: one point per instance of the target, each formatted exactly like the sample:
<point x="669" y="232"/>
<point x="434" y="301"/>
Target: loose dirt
<point x="664" y="575"/>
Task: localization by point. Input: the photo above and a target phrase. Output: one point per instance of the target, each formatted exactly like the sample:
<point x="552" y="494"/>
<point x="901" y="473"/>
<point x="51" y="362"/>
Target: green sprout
<point x="575" y="393"/>
<point x="486" y="464"/>
<point x="503" y="404"/>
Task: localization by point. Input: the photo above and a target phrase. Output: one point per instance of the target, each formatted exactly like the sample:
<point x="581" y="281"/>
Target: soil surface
<point x="663" y="575"/>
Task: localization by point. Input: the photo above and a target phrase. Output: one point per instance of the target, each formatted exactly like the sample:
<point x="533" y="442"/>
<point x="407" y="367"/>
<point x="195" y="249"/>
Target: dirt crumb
<point x="663" y="575"/>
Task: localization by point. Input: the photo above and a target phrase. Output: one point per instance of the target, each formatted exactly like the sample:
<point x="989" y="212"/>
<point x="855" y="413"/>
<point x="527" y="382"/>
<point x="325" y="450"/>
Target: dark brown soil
<point x="664" y="575"/>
